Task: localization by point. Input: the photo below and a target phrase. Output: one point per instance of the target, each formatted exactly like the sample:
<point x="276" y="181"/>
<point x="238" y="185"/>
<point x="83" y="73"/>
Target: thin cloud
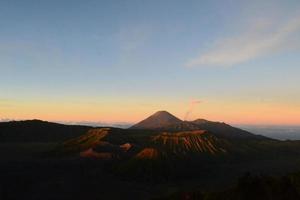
<point x="262" y="39"/>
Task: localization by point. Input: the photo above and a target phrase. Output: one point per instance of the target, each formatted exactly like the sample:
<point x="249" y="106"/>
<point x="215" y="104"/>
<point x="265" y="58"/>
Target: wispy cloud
<point x="259" y="40"/>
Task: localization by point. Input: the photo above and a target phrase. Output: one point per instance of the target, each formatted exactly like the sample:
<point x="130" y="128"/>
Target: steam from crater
<point x="192" y="106"/>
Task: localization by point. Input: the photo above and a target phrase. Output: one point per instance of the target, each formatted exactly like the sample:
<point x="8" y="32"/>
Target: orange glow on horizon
<point x="232" y="112"/>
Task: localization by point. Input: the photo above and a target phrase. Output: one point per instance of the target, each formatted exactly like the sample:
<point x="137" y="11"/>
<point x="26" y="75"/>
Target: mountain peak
<point x="162" y="113"/>
<point x="158" y="120"/>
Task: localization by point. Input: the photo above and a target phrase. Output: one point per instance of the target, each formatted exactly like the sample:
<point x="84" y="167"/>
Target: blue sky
<point x="147" y="55"/>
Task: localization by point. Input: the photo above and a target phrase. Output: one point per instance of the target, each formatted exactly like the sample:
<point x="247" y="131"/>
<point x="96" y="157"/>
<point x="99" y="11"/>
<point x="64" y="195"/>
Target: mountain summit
<point x="158" y="120"/>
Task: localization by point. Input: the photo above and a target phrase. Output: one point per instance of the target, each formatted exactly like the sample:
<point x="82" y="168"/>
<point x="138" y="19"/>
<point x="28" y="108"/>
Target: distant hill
<point x="280" y="132"/>
<point x="165" y="121"/>
<point x="224" y="130"/>
<point x="38" y="131"/>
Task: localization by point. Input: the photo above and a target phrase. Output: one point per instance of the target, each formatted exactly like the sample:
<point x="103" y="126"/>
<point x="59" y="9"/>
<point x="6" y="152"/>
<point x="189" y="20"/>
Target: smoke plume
<point x="192" y="106"/>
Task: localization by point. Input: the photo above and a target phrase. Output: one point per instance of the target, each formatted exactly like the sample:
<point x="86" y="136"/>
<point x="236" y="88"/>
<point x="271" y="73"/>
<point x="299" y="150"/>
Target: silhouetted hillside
<point x="38" y="131"/>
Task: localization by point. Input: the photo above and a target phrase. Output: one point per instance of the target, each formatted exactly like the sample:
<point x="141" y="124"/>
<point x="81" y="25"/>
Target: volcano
<point x="165" y="121"/>
<point x="159" y="120"/>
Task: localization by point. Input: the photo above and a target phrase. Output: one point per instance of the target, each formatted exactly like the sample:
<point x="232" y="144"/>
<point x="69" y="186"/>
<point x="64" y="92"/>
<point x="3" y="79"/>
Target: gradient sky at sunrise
<point x="119" y="61"/>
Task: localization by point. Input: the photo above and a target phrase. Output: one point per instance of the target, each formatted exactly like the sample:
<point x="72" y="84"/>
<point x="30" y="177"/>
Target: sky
<point x="119" y="61"/>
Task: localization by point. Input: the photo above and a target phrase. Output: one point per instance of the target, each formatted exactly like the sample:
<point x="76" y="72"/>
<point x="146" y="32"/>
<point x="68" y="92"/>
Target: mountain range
<point x="152" y="147"/>
<point x="160" y="149"/>
<point x="43" y="131"/>
<point x="161" y="138"/>
<point x="164" y="121"/>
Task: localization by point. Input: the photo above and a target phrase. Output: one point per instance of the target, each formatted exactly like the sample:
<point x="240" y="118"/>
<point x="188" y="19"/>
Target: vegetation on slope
<point x="249" y="187"/>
